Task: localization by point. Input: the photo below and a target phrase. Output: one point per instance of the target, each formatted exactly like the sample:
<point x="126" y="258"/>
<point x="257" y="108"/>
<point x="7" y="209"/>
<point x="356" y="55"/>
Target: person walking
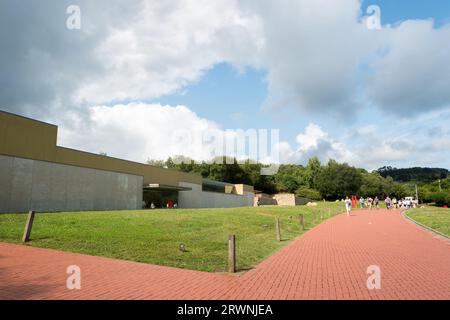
<point x="387" y="201"/>
<point x="348" y="205"/>
<point x="376" y="202"/>
<point x="369" y="203"/>
<point x="361" y="203"/>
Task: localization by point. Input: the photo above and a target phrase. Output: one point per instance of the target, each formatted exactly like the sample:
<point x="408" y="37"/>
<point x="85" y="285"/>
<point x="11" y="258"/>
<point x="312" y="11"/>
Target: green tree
<point x="439" y="198"/>
<point x="290" y="177"/>
<point x="399" y="190"/>
<point x="156" y="163"/>
<point x="312" y="171"/>
<point x="335" y="181"/>
<point x="306" y="192"/>
<point x="373" y="184"/>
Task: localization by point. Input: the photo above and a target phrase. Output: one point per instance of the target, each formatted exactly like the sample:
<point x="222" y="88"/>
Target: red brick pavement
<point x="328" y="262"/>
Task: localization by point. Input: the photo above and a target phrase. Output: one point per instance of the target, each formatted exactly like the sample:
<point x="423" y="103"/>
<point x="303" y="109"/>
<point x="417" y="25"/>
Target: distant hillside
<point x="425" y="175"/>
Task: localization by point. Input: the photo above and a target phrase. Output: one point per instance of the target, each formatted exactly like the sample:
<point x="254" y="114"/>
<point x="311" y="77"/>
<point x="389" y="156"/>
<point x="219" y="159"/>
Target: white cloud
<point x="139" y="50"/>
<point x="312" y="53"/>
<point x="138" y="131"/>
<point x="316" y="142"/>
<point x="319" y="56"/>
<point x="412" y="72"/>
<point x="168" y="45"/>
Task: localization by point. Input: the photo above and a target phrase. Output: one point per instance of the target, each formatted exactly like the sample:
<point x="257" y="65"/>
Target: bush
<point x="440" y="198"/>
<point x="447" y="199"/>
<point x="308" y="193"/>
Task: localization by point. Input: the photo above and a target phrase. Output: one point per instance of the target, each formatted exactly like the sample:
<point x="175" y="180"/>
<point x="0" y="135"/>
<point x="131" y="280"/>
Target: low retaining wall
<point x="196" y="198"/>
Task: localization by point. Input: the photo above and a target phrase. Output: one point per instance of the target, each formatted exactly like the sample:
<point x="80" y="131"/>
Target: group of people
<point x="370" y="203"/>
<point x="169" y="205"/>
<point x="405" y="203"/>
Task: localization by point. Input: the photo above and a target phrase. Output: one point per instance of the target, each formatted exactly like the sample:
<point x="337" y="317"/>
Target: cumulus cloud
<point x="313" y="52"/>
<point x="412" y="75"/>
<point x="319" y="56"/>
<point x="314" y="141"/>
<point x="140" y="131"/>
<point x="129" y="50"/>
<point x="170" y="44"/>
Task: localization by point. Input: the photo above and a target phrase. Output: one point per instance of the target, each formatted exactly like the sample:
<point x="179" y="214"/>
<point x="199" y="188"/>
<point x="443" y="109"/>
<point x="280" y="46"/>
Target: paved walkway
<point x="328" y="262"/>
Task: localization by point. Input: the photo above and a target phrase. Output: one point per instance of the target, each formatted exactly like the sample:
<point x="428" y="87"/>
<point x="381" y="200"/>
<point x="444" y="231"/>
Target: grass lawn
<point x="154" y="236"/>
<point x="433" y="217"/>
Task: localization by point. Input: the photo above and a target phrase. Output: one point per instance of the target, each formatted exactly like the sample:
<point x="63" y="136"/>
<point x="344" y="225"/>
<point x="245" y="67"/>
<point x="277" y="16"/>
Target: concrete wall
<point x="196" y="198"/>
<point x="44" y="186"/>
<point x="31" y="139"/>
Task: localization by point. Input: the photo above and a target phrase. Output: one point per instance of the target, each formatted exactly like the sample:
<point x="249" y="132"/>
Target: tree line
<point x="315" y="180"/>
<point x="416" y="174"/>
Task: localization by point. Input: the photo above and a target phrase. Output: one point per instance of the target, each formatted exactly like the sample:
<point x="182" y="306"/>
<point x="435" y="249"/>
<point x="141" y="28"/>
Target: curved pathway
<point x="327" y="262"/>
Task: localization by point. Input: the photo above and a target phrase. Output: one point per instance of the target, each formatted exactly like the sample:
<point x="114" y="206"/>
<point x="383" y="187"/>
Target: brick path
<point x="328" y="262"/>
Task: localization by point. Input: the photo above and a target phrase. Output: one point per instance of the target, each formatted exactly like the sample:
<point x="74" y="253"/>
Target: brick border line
<point x="435" y="232"/>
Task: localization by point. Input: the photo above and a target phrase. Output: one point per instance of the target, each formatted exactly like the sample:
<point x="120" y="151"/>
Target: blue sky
<point x="394" y="11"/>
<point x="311" y="68"/>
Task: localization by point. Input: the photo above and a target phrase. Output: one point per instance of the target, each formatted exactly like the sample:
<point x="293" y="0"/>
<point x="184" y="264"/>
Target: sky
<point x="145" y="79"/>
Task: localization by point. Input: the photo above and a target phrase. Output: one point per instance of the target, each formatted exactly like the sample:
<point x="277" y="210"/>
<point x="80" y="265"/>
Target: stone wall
<point x="283" y="199"/>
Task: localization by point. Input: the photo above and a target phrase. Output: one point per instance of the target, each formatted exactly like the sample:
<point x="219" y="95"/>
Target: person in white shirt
<point x="348" y="205"/>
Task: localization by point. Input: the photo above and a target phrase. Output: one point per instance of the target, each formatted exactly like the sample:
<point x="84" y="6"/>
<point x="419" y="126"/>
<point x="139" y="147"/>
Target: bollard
<point x="302" y="221"/>
<point x="28" y="226"/>
<point x="232" y="253"/>
<point x="277" y="224"/>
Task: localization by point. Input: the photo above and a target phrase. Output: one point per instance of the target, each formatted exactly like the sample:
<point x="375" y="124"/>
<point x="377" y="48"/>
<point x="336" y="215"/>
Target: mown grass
<point x="433" y="217"/>
<point x="154" y="236"/>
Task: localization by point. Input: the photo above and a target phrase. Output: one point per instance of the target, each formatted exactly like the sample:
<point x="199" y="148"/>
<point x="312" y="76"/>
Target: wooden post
<point x="232" y="253"/>
<point x="302" y="221"/>
<point x="329" y="212"/>
<point x="28" y="226"/>
<point x="321" y="215"/>
<point x="277" y="223"/>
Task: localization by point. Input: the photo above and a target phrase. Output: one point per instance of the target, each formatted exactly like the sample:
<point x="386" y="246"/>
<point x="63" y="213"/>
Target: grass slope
<point x="154" y="236"/>
<point x="433" y="217"/>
